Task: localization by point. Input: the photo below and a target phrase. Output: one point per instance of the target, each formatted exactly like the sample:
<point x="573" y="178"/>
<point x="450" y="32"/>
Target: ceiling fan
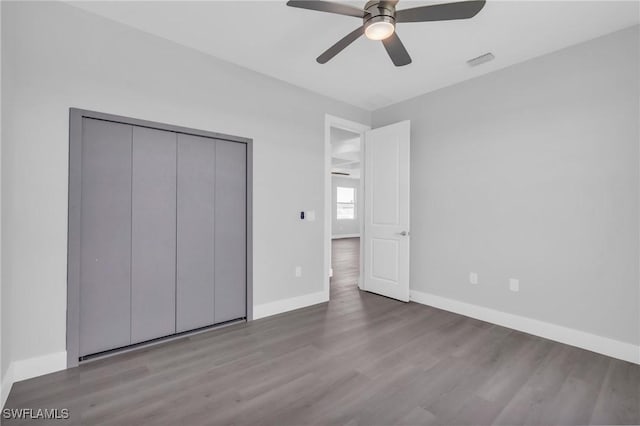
<point x="379" y="19"/>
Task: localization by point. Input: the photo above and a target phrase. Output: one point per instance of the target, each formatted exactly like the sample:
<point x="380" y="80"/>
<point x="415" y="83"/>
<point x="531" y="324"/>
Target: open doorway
<point x="344" y="204"/>
<point x="380" y="202"/>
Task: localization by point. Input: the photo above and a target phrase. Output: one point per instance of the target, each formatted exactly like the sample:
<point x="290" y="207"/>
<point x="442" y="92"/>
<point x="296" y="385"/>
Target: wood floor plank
<point x="360" y="359"/>
<point x="533" y="400"/>
<point x="619" y="398"/>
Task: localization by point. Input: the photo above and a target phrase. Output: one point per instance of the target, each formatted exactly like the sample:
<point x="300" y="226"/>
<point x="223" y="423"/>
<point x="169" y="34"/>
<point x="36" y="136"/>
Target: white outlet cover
<point x="310" y="215"/>
<point x="298" y="271"/>
<point x="473" y="278"/>
<point x="514" y="284"/>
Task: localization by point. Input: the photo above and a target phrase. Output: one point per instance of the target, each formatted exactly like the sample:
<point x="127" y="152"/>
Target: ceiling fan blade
<point x="441" y="12"/>
<point x="396" y="50"/>
<point x="340" y="45"/>
<point x="328" y="6"/>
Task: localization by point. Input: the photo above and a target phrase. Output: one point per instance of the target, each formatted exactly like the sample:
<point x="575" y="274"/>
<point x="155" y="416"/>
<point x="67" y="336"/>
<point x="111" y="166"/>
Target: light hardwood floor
<point x="362" y="359"/>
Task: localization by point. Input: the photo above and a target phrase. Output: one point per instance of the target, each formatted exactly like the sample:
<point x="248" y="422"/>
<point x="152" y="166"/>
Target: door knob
<point x="403" y="233"/>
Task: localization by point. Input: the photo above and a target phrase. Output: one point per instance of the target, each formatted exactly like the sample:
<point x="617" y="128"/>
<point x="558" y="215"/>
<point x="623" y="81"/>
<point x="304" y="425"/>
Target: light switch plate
<point x="473" y="277"/>
<point x="310" y="215"/>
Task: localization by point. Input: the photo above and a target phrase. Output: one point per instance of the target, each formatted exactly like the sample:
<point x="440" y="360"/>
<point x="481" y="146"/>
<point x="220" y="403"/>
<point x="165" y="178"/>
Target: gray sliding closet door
<point x="153" y="244"/>
<point x="105" y="259"/>
<point x="195" y="233"/>
<point x="230" y="231"/>
<point x="157" y="231"/>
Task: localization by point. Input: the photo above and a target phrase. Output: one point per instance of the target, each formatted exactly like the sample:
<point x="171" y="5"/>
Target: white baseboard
<point x="337" y="237"/>
<point x="32" y="367"/>
<point x="7" y="382"/>
<point x="569" y="336"/>
<point x="280" y="306"/>
<point x="37" y="366"/>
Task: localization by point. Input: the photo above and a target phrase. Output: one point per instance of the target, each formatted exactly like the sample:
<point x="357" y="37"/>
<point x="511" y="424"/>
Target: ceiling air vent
<point x="482" y="59"/>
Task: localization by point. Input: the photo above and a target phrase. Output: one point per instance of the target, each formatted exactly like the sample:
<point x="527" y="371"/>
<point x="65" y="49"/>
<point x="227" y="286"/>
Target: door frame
<point x="76" y="117"/>
<point x="354" y="127"/>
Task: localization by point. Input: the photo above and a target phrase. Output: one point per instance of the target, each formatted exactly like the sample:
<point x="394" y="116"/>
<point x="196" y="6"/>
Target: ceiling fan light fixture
<point x="379" y="19"/>
<point x="379" y="28"/>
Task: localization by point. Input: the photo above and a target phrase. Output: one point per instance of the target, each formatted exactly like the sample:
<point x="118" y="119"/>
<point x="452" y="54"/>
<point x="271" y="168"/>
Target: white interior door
<point x="386" y="222"/>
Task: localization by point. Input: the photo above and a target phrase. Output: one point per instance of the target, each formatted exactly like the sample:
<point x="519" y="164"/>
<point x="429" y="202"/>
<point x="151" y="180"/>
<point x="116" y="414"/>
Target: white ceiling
<point x="283" y="42"/>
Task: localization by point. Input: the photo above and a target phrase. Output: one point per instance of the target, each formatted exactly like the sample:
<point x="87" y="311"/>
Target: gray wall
<point x="345" y="226"/>
<point x="4" y="306"/>
<point x="56" y="56"/>
<point x="531" y="172"/>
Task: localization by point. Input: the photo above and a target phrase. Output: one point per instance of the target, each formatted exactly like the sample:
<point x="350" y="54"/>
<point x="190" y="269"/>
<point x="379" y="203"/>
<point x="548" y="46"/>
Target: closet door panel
<point x="195" y="232"/>
<point x="230" y="235"/>
<point x="153" y="273"/>
<point x="105" y="234"/>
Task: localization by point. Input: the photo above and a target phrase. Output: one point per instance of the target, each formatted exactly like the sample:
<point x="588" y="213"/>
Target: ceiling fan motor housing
<point x="379" y="11"/>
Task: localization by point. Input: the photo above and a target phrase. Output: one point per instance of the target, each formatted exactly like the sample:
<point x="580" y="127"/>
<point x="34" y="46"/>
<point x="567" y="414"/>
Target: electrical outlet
<point x="298" y="271"/>
<point x="473" y="277"/>
<point x="514" y="284"/>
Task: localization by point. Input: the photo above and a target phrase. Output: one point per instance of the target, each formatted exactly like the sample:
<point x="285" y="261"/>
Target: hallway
<point x="345" y="261"/>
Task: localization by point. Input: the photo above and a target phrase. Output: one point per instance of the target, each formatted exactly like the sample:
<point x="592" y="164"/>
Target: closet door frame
<point x="76" y="117"/>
